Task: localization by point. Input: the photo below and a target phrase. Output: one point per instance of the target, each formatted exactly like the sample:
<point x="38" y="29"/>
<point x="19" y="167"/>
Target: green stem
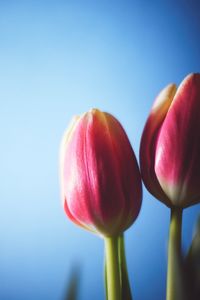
<point x="112" y="268"/>
<point x="175" y="284"/>
<point x="125" y="285"/>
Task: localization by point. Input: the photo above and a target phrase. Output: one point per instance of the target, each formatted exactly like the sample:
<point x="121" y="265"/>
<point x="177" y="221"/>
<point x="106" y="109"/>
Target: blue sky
<point x="58" y="59"/>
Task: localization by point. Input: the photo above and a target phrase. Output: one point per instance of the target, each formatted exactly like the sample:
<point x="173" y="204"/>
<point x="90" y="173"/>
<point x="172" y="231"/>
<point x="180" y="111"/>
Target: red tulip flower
<point x="101" y="188"/>
<point x="170" y="165"/>
<point x="101" y="184"/>
<point x="170" y="145"/>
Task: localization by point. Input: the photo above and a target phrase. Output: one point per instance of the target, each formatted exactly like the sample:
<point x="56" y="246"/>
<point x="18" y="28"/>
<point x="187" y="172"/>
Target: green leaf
<point x="192" y="264"/>
<point x="73" y="286"/>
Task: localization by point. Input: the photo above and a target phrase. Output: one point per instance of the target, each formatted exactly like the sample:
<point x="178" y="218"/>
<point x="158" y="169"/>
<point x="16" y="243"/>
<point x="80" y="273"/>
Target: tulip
<point x="100" y="182"/>
<point x="170" y="145"/>
<point x="170" y="163"/>
<point x="99" y="175"/>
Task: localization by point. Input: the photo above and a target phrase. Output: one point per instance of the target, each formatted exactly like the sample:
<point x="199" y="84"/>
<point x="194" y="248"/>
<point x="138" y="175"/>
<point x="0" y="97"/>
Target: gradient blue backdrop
<point x="57" y="59"/>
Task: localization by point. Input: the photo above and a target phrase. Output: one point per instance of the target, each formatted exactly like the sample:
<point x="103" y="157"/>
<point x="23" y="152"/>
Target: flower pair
<point x="100" y="177"/>
<point x="101" y="185"/>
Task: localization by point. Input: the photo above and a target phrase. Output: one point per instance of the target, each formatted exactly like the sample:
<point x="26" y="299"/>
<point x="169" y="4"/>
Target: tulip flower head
<point x="100" y="179"/>
<point x="170" y="145"/>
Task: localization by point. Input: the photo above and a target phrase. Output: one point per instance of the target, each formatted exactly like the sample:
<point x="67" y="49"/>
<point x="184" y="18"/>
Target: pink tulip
<point x="100" y="179"/>
<point x="170" y="145"/>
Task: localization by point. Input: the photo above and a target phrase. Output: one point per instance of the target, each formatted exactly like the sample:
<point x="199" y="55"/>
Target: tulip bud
<point x="170" y="145"/>
<point x="100" y="179"/>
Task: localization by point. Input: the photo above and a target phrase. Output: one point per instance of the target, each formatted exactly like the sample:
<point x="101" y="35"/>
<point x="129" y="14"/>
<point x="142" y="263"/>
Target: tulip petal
<point x="66" y="136"/>
<point x="177" y="164"/>
<point x="149" y="139"/>
<point x="74" y="219"/>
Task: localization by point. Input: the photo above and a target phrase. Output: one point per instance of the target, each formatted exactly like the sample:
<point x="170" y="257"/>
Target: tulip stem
<point x="174" y="274"/>
<point x="125" y="285"/>
<point x="112" y="268"/>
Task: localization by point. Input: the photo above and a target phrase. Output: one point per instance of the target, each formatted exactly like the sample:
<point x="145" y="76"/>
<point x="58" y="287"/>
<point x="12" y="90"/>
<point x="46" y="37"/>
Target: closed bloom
<point x="170" y="145"/>
<point x="100" y="179"/>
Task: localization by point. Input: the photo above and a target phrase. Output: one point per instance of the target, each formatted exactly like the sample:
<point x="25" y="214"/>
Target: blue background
<point x="57" y="59"/>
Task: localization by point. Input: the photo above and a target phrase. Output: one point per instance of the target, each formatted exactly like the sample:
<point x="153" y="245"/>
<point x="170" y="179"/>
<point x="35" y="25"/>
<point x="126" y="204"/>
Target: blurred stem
<point x="174" y="273"/>
<point x="112" y="268"/>
<point x="125" y="285"/>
